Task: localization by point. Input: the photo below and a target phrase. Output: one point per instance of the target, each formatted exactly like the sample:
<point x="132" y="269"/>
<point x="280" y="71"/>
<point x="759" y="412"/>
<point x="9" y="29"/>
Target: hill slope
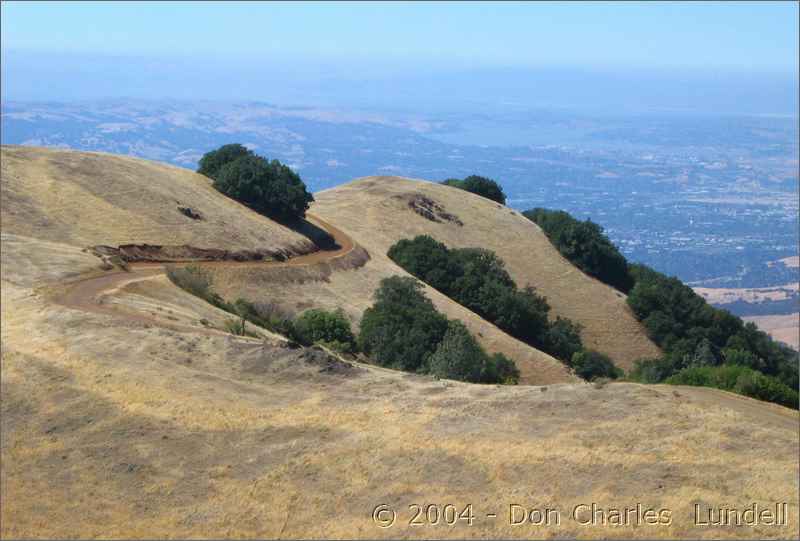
<point x="379" y="211"/>
<point x="158" y="426"/>
<point x="87" y="199"/>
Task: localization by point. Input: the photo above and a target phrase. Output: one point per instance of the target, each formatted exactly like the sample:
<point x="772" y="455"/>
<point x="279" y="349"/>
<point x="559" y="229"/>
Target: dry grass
<point x="375" y="212"/>
<point x="118" y="428"/>
<point x="85" y="199"/>
<point x="725" y="295"/>
<point x="181" y="434"/>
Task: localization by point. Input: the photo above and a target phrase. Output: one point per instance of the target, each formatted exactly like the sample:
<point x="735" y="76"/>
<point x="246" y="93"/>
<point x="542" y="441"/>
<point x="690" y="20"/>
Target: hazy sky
<point x="711" y="57"/>
<point x="733" y="35"/>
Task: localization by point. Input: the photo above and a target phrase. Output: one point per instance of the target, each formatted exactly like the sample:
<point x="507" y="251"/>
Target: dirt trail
<point x="85" y="293"/>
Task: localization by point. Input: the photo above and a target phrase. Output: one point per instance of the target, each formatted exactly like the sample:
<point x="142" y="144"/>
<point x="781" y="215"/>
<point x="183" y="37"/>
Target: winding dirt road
<point x="85" y="293"/>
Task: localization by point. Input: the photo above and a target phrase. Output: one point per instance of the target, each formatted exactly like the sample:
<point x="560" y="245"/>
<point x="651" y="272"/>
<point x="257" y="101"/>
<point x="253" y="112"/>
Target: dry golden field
<point x="375" y="211"/>
<point x="135" y="416"/>
<point x="87" y="199"/>
<point x="785" y="328"/>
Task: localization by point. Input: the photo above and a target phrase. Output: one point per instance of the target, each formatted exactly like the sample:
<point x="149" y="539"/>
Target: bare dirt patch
<point x="152" y="253"/>
<point x="429" y="209"/>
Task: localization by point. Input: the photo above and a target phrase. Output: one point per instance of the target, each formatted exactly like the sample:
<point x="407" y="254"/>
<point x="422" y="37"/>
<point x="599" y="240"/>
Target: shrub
<point x="738" y="379"/>
<point x="696" y="337"/>
<point x="268" y="187"/>
<point x="197" y="281"/>
<point x="590" y="365"/>
<point x="500" y="369"/>
<point x="458" y="356"/>
<point x="485" y="187"/>
<point x="235" y="326"/>
<point x="402" y="329"/>
<point x="331" y="328"/>
<point x="564" y="338"/>
<point x="692" y="332"/>
<point x="763" y="387"/>
<point x="585" y="245"/>
<point x="723" y="377"/>
<point x="260" y="315"/>
<point x="652" y="370"/>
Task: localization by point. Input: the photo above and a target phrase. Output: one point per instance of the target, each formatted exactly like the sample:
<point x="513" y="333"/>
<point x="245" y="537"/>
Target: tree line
<point x="477" y="279"/>
<point x="702" y="345"/>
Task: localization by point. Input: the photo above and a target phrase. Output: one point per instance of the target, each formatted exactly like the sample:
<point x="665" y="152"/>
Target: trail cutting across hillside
<point x="85" y="293"/>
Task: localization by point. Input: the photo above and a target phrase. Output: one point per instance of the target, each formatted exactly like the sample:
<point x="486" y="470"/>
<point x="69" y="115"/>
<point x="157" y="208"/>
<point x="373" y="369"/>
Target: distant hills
<point x="709" y="198"/>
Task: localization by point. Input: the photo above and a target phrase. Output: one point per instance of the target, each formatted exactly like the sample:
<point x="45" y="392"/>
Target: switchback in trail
<point x="85" y="293"/>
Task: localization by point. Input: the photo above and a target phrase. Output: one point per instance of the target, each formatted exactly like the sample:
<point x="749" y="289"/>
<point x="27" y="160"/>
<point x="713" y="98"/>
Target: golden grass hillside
<point x="86" y="199"/>
<point x="135" y="417"/>
<point x="378" y="211"/>
<point x="117" y="428"/>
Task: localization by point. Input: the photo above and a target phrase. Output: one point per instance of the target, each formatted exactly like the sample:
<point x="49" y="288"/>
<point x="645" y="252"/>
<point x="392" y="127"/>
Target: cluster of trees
<point x="585" y="245"/>
<point x="404" y="331"/>
<point x="702" y="345"/>
<point x="267" y="187"/>
<point x="477" y="279"/>
<point x="694" y="334"/>
<point x="485" y="187"/>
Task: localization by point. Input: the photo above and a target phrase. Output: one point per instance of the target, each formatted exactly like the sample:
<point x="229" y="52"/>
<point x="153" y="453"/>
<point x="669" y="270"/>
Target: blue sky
<point x="711" y="57"/>
<point x="733" y="36"/>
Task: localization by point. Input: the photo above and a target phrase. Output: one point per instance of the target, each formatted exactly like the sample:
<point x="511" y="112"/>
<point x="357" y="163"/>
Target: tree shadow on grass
<point x="321" y="238"/>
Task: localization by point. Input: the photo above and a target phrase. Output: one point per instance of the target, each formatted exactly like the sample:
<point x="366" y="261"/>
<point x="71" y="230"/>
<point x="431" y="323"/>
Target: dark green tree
<point x="485" y="187"/>
<point x="428" y="260"/>
<point x="330" y="328"/>
<point x="477" y="279"/>
<point x="269" y="188"/>
<point x="590" y="365"/>
<point x="500" y="369"/>
<point x="212" y="162"/>
<point x="564" y="338"/>
<point x="402" y="329"/>
<point x="458" y="355"/>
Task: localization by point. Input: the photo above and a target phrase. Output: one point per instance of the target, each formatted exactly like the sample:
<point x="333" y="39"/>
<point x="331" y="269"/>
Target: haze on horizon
<point x="609" y="57"/>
